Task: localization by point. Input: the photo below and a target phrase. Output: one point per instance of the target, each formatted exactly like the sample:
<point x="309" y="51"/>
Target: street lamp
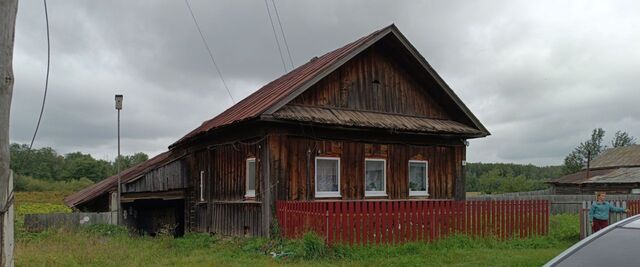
<point x="119" y="107"/>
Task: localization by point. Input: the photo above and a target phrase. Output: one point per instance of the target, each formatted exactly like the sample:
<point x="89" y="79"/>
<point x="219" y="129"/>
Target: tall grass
<point x="30" y="184"/>
<point x="111" y="246"/>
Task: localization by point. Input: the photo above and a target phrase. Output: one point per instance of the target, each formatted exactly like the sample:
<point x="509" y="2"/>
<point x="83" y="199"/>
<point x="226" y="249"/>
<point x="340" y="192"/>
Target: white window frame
<point x="201" y="186"/>
<point x="326" y="194"/>
<point x="426" y="177"/>
<point x="250" y="193"/>
<point x="382" y="193"/>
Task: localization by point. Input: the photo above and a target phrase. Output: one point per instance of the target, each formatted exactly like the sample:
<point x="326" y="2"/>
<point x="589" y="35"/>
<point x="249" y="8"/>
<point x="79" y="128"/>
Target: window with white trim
<point x="201" y="185"/>
<point x="251" y="178"/>
<point x="375" y="177"/>
<point x="327" y="177"/>
<point x="418" y="178"/>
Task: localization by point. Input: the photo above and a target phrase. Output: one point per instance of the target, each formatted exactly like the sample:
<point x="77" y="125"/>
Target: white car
<point x="616" y="245"/>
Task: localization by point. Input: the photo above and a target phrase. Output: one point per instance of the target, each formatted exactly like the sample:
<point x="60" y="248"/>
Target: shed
<point x="615" y="171"/>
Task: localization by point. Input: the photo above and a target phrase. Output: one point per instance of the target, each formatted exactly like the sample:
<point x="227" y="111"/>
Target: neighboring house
<point x="370" y="120"/>
<point x="615" y="171"/>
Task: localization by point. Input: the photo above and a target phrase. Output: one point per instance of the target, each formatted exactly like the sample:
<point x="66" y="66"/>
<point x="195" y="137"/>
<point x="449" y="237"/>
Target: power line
<point x="275" y="36"/>
<point x="284" y="37"/>
<point x="46" y="81"/>
<point x="209" y="51"/>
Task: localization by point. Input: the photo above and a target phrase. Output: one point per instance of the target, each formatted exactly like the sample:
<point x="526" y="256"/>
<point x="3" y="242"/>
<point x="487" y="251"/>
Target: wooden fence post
<point x="7" y="217"/>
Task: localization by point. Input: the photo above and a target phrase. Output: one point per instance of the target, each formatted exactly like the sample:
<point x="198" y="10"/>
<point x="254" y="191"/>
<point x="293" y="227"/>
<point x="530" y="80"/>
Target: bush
<point x="564" y="228"/>
<point x="313" y="246"/>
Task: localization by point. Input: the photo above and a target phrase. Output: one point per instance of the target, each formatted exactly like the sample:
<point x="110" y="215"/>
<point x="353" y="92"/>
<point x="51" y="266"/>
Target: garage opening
<point x="155" y="217"/>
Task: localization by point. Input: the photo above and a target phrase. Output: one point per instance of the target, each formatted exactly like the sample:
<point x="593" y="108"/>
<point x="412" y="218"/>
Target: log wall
<point x="224" y="210"/>
<point x="296" y="182"/>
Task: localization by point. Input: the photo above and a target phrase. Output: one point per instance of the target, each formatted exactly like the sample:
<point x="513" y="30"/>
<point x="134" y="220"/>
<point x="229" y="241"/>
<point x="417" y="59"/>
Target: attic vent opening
<point x="376" y="82"/>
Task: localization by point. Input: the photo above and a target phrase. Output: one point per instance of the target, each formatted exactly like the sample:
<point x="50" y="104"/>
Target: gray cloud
<point x="539" y="75"/>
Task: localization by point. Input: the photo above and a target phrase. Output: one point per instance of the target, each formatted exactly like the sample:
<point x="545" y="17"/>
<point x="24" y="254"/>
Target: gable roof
<point x="273" y="96"/>
<point x="626" y="156"/>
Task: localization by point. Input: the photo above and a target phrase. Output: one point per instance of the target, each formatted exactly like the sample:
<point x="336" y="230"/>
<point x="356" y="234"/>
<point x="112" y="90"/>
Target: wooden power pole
<point x="8" y="10"/>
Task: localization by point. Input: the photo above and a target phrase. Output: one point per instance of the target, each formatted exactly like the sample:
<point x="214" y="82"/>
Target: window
<point x="201" y="185"/>
<point x="418" y="178"/>
<point x="375" y="177"/>
<point x="251" y="177"/>
<point x="327" y="177"/>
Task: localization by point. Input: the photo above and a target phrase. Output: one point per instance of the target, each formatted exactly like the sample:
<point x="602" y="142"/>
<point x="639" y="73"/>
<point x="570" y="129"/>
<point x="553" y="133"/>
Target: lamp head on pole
<point x="118" y="102"/>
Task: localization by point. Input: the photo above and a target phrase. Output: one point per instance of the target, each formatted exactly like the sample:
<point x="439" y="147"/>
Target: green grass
<point x="110" y="246"/>
<point x="105" y="245"/>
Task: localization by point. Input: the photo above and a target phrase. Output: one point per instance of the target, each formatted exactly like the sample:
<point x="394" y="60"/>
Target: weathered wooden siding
<point x="224" y="209"/>
<point x="376" y="82"/>
<point x="295" y="181"/>
<point x="228" y="171"/>
<point x="169" y="177"/>
<point x="41" y="222"/>
<point x="236" y="218"/>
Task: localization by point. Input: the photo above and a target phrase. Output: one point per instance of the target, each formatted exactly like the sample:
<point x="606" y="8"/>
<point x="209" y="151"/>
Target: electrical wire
<point x="284" y="37"/>
<point x="275" y="36"/>
<point x="46" y="81"/>
<point x="195" y="21"/>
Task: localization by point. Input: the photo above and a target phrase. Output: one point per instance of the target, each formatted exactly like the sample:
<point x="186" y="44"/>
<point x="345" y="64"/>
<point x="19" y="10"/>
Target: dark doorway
<point x="157" y="217"/>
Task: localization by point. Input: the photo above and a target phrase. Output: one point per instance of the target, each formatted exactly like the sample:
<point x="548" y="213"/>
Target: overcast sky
<point x="540" y="75"/>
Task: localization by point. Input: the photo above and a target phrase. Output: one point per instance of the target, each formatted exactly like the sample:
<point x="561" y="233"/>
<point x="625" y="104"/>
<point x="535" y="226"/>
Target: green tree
<point x="78" y="165"/>
<point x="622" y="139"/>
<point x="587" y="150"/>
<point x="129" y="161"/>
<point x="43" y="163"/>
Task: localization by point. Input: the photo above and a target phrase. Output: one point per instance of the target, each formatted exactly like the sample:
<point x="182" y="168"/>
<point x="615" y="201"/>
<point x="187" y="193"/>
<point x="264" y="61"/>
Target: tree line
<point x="46" y="164"/>
<point x="492" y="178"/>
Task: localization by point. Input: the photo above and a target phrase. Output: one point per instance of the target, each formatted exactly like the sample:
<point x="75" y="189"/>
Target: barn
<point x="369" y="120"/>
<point x="615" y="171"/>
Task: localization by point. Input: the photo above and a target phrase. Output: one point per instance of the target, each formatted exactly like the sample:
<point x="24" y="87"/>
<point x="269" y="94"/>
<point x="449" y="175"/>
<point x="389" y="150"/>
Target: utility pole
<point x="119" y="161"/>
<point x="8" y="11"/>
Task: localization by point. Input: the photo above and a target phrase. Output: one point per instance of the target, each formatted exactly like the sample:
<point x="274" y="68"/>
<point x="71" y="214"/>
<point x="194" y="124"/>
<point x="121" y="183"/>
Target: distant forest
<point x="44" y="169"/>
<point x="491" y="178"/>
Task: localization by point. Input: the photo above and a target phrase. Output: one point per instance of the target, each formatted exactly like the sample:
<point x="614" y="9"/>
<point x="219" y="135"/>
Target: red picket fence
<point x="633" y="206"/>
<point x="398" y="221"/>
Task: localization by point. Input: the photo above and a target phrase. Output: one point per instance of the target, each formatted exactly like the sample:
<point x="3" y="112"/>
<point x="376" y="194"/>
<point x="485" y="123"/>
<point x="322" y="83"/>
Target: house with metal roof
<point x="371" y="120"/>
<point x="615" y="171"/>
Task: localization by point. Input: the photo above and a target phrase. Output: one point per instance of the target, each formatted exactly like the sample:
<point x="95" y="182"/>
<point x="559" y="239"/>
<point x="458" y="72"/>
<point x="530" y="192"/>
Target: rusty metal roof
<point x="367" y="119"/>
<point x="111" y="183"/>
<point x="268" y="95"/>
<point x="274" y="95"/>
<point x="626" y="156"/>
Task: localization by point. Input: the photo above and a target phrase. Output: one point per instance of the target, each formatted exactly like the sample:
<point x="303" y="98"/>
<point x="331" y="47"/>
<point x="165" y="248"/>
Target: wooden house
<point x="615" y="171"/>
<point x="370" y="120"/>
